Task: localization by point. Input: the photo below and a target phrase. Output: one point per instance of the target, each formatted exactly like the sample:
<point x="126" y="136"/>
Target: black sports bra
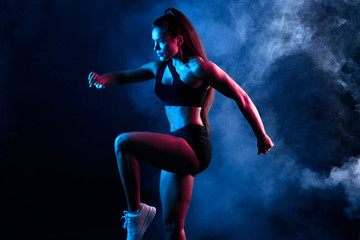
<point x="178" y="93"/>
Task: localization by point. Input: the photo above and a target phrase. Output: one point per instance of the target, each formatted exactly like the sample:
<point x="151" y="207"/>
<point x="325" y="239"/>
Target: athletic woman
<point x="185" y="81"/>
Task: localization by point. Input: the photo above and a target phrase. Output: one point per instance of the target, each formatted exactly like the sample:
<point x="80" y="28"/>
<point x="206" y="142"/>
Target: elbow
<point x="242" y="99"/>
<point x="244" y="103"/>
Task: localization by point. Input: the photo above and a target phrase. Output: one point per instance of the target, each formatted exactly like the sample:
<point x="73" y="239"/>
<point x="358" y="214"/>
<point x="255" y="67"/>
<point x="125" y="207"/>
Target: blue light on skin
<point x="166" y="46"/>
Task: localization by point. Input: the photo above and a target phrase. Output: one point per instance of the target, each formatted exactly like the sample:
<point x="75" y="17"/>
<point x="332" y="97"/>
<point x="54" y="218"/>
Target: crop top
<point x="178" y="93"/>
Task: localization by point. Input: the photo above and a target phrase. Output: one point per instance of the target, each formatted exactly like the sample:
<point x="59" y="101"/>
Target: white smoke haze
<point x="281" y="34"/>
<point x="286" y="28"/>
<point x="285" y="33"/>
<point x="346" y="176"/>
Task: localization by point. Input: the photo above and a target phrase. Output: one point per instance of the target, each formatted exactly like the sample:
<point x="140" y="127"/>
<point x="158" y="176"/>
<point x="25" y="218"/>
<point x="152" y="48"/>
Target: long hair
<point x="176" y="23"/>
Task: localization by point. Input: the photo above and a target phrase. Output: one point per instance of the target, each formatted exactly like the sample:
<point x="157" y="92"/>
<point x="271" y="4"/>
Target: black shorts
<point x="198" y="139"/>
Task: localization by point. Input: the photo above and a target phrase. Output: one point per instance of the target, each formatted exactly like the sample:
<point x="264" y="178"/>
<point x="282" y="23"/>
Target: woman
<point x="185" y="81"/>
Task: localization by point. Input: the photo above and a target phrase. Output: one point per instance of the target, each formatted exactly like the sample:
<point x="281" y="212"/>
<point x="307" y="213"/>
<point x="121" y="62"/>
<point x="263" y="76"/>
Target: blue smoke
<point x="297" y="60"/>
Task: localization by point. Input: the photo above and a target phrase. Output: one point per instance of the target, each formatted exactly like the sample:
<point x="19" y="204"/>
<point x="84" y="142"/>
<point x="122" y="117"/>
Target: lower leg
<point x="175" y="193"/>
<point x="175" y="234"/>
<point x="129" y="169"/>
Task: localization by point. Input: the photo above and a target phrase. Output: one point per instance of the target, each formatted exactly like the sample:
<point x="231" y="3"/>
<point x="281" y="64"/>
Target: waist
<point x="181" y="116"/>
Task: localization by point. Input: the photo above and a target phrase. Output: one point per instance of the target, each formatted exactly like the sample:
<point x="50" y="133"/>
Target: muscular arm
<point x="143" y="73"/>
<point x="222" y="82"/>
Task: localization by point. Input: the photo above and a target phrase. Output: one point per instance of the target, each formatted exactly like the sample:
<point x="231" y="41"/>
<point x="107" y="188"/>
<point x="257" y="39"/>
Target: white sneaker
<point x="137" y="223"/>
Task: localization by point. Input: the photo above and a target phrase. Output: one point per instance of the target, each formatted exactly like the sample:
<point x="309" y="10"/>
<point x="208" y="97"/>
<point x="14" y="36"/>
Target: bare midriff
<point x="181" y="116"/>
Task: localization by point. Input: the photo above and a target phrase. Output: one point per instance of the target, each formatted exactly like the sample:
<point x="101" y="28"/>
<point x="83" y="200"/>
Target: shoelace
<point x="127" y="223"/>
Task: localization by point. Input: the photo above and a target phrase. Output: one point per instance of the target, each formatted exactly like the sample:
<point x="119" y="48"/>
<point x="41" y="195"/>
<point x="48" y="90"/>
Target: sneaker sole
<point x="148" y="219"/>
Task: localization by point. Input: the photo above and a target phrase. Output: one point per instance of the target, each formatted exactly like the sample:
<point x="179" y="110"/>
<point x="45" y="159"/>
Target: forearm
<point x="251" y="114"/>
<point x="130" y="76"/>
<point x="144" y="73"/>
<point x="114" y="78"/>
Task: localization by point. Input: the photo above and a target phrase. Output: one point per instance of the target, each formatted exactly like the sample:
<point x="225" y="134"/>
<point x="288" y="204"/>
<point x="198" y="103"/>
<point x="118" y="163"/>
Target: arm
<point x="222" y="82"/>
<point x="144" y="73"/>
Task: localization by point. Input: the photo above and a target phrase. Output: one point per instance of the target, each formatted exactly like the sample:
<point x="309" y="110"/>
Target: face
<point x="166" y="46"/>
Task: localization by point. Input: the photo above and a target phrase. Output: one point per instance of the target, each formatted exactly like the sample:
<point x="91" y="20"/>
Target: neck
<point x="176" y="62"/>
<point x="179" y="59"/>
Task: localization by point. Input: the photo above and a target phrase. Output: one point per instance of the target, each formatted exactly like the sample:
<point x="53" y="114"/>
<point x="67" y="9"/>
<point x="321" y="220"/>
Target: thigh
<point x="175" y="193"/>
<point x="167" y="152"/>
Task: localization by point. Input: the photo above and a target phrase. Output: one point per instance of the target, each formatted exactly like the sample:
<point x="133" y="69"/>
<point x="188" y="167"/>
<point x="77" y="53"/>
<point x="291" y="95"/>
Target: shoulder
<point x="203" y="68"/>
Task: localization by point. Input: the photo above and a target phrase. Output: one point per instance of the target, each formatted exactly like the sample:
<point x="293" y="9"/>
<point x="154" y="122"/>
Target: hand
<point x="100" y="81"/>
<point x="264" y="144"/>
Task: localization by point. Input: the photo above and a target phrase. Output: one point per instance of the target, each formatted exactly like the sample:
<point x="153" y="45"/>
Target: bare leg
<point x="129" y="169"/>
<point x="166" y="152"/>
<point x="175" y="193"/>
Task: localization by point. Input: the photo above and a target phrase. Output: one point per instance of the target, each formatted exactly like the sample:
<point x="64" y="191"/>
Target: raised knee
<point x="120" y="142"/>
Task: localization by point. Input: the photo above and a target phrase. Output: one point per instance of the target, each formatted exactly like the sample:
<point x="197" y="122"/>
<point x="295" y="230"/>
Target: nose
<point x="157" y="46"/>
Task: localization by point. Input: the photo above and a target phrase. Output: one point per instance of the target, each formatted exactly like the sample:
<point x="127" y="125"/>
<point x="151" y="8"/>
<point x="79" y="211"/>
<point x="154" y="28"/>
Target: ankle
<point x="135" y="210"/>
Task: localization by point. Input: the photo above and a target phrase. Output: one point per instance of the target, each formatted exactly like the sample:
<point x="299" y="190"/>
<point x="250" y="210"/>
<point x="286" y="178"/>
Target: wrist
<point x="260" y="135"/>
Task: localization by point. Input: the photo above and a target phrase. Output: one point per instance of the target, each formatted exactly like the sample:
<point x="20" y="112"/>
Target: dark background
<point x="297" y="60"/>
